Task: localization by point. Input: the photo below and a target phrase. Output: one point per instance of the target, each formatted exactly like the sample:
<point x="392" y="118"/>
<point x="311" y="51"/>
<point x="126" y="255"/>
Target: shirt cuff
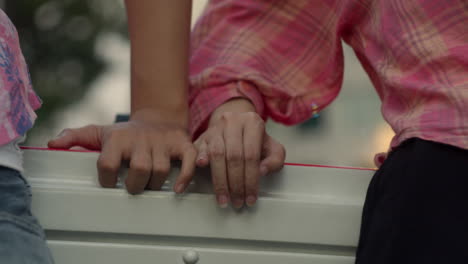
<point x="205" y="102"/>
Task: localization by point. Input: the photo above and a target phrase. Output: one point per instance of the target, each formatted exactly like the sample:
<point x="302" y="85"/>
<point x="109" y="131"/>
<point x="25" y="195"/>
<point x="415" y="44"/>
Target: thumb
<point x="379" y="158"/>
<point x="274" y="155"/>
<point x="88" y="137"/>
<point x="202" y="152"/>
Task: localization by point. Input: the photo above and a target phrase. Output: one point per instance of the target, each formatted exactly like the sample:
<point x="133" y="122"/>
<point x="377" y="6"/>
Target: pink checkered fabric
<point x="286" y="57"/>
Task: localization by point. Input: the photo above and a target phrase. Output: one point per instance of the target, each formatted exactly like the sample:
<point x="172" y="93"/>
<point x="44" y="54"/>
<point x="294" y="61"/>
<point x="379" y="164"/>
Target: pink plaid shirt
<point x="286" y="58"/>
<point x="17" y="98"/>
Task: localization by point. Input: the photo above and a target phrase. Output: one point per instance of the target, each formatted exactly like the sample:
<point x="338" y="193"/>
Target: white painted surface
<point x="304" y="215"/>
<point x="79" y="253"/>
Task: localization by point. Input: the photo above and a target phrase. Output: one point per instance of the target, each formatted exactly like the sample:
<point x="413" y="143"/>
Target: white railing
<point x="304" y="215"/>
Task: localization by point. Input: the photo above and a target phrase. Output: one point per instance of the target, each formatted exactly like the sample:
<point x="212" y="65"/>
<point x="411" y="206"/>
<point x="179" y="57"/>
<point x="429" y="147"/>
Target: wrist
<point x="177" y="117"/>
<point x="236" y="105"/>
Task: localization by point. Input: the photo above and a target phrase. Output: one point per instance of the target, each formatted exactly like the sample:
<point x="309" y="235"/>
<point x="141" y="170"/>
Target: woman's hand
<point x="239" y="152"/>
<point x="147" y="146"/>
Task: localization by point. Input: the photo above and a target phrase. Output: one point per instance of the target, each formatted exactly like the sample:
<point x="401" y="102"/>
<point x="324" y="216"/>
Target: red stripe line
<point x="286" y="164"/>
<point x="327" y="166"/>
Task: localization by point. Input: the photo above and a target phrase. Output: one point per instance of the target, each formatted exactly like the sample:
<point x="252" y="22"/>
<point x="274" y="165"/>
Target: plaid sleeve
<point x="284" y="56"/>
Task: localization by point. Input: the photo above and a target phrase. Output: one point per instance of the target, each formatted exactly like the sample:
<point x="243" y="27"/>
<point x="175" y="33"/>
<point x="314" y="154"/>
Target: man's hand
<point x="239" y="152"/>
<point x="147" y="146"/>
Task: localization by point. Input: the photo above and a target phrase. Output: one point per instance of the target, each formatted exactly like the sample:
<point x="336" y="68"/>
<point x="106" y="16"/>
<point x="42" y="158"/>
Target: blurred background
<point x="78" y="54"/>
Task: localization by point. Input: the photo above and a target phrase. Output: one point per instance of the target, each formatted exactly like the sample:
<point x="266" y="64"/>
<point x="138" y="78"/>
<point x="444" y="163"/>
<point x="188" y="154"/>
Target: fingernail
<point x="222" y="201"/>
<point x="251" y="199"/>
<point x="179" y="188"/>
<point x="200" y="160"/>
<point x="263" y="171"/>
<point x="237" y="203"/>
<point x="61" y="134"/>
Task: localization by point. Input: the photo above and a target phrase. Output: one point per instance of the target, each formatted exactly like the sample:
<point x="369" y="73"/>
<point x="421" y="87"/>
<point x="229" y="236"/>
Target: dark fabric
<point x="416" y="209"/>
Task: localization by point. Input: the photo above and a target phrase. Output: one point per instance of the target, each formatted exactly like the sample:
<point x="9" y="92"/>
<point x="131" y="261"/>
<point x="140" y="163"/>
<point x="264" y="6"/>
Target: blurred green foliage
<point x="58" y="39"/>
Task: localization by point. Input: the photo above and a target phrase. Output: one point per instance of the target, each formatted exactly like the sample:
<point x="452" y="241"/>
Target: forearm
<point x="159" y="34"/>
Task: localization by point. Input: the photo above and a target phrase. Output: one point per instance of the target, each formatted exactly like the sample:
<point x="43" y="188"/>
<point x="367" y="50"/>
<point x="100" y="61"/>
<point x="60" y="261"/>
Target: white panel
<point x="102" y="253"/>
<point x="301" y="209"/>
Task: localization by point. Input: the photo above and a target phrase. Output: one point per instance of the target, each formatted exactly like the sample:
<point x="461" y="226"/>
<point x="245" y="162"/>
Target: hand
<point x="148" y="146"/>
<point x="239" y="152"/>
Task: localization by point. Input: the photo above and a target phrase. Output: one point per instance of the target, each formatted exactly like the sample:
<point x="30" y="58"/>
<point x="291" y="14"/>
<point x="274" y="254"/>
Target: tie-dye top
<point x="17" y="97"/>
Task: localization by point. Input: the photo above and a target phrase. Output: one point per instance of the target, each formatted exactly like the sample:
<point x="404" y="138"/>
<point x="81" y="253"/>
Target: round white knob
<point x="190" y="257"/>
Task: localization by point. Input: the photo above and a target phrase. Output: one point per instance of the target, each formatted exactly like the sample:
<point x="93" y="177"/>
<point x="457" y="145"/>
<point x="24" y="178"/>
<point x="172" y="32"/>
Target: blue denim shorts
<point x="22" y="239"/>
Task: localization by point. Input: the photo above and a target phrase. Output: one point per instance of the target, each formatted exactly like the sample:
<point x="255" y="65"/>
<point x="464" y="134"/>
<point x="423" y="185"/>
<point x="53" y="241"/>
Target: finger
<point x="216" y="152"/>
<point x="108" y="165"/>
<point x="379" y="159"/>
<point x="140" y="170"/>
<point x="253" y="140"/>
<point x="202" y="149"/>
<point x="88" y="137"/>
<point x="235" y="162"/>
<point x="161" y="168"/>
<point x="274" y="155"/>
<point x="188" y="155"/>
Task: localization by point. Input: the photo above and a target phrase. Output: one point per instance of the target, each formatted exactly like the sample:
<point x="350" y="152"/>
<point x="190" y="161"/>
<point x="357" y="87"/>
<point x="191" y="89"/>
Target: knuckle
<point x="114" y="135"/>
<point x="140" y="167"/>
<point x="235" y="156"/>
<point x="160" y="168"/>
<point x="252" y="116"/>
<point x="252" y="156"/>
<point x="227" y="115"/>
<point x="217" y="151"/>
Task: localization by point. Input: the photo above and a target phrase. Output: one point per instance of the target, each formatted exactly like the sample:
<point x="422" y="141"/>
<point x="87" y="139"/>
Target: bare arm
<point x="159" y="34"/>
<point x="157" y="130"/>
